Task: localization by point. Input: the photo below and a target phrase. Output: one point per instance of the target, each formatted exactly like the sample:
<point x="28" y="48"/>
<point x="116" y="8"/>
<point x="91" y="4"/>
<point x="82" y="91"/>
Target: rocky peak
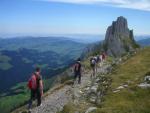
<point x="119" y="39"/>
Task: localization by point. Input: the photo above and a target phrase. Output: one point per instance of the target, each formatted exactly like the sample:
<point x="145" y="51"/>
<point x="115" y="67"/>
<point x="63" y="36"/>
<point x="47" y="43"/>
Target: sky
<point x="49" y="17"/>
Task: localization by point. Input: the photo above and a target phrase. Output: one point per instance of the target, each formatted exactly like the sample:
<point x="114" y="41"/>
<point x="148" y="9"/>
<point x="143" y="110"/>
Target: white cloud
<point x="132" y="4"/>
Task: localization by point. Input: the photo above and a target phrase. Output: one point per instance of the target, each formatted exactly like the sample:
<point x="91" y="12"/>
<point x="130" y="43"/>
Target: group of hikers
<point x="97" y="61"/>
<point x="35" y="83"/>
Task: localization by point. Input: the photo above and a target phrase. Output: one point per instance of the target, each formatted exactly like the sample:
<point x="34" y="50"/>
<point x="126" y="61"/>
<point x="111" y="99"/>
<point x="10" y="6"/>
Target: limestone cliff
<point x="119" y="39"/>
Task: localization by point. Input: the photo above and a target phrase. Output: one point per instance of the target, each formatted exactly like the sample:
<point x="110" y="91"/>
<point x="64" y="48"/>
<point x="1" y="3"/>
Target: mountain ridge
<point x="144" y="42"/>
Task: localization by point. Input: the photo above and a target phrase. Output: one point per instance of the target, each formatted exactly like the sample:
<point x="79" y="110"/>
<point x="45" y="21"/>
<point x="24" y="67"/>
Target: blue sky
<point x="48" y="17"/>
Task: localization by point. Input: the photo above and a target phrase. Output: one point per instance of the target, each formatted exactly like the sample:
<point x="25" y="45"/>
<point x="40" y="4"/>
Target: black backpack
<point x="77" y="67"/>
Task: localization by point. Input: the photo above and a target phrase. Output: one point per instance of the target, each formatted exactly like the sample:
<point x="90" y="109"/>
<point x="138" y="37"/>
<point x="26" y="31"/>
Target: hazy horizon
<point x="83" y="38"/>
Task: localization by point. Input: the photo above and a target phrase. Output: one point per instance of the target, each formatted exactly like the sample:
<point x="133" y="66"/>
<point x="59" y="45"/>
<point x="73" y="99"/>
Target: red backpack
<point x="32" y="84"/>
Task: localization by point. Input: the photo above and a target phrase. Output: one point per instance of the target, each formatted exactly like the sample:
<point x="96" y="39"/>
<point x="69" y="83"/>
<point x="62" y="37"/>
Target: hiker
<point x="36" y="87"/>
<point x="98" y="58"/>
<point x="77" y="70"/>
<point x="101" y="60"/>
<point x="103" y="56"/>
<point x="96" y="63"/>
<point x="93" y="65"/>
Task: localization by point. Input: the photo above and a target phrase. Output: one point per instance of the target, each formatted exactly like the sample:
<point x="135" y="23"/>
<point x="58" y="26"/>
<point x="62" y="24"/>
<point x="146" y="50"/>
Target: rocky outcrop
<point x="146" y="83"/>
<point x="119" y="39"/>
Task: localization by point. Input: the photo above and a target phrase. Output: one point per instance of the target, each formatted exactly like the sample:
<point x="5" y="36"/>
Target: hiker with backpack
<point x="96" y="63"/>
<point x="36" y="87"/>
<point x="98" y="58"/>
<point x="101" y="60"/>
<point x="77" y="70"/>
<point x="103" y="56"/>
<point x="93" y="66"/>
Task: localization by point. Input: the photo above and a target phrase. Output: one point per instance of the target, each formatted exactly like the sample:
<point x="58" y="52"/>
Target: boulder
<point x="144" y="85"/>
<point x="120" y="87"/>
<point x="91" y="109"/>
<point x="94" y="89"/>
<point x="147" y="79"/>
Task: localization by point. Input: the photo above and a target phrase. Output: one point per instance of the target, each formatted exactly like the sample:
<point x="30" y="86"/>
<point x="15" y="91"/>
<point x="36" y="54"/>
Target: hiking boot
<point x="29" y="111"/>
<point x="41" y="105"/>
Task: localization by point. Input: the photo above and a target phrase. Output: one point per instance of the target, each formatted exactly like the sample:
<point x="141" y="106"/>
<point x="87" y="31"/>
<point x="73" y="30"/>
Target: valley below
<point x="20" y="56"/>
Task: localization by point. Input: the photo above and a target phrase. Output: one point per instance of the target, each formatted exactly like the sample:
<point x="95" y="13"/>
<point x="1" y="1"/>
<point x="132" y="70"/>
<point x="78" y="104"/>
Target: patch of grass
<point x="23" y="84"/>
<point x="86" y="64"/>
<point x="109" y="59"/>
<point x="131" y="99"/>
<point x="4" y="58"/>
<point x="69" y="108"/>
<point x="127" y="101"/>
<point x="133" y="68"/>
<point x="26" y="60"/>
<point x="74" y="108"/>
<point x="5" y="66"/>
<point x="4" y="62"/>
<point x="41" y="65"/>
<point x="8" y="103"/>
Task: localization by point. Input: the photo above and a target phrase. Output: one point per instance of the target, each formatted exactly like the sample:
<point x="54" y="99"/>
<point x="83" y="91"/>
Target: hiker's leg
<point x="99" y="64"/>
<point x="79" y="81"/>
<point x="94" y="72"/>
<point x="32" y="96"/>
<point x="91" y="72"/>
<point x="96" y="68"/>
<point x="75" y="77"/>
<point x="38" y="98"/>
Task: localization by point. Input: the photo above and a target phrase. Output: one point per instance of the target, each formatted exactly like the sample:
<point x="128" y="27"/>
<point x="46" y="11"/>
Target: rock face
<point x="119" y="39"/>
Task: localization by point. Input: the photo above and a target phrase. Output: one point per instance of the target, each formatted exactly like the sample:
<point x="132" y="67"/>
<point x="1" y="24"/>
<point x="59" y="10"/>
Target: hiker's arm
<point x="41" y="86"/>
<point x="72" y="69"/>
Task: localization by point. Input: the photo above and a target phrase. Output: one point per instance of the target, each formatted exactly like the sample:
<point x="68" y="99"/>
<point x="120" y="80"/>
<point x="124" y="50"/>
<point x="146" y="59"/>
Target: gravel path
<point x="56" y="101"/>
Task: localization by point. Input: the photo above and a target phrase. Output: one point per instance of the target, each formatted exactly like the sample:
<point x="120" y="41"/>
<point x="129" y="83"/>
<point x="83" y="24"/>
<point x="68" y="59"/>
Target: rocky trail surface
<point x="55" y="101"/>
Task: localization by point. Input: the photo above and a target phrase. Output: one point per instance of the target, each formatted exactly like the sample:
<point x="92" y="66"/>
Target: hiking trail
<point x="55" y="102"/>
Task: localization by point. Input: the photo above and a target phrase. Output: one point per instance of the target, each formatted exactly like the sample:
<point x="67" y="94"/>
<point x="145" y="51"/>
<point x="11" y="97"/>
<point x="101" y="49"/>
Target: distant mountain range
<point x="19" y="57"/>
<point x="144" y="42"/>
<point x="141" y="37"/>
<point x="87" y="39"/>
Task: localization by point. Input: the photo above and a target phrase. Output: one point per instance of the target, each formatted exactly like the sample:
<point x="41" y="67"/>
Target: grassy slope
<point x="131" y="99"/>
<point x="4" y="62"/>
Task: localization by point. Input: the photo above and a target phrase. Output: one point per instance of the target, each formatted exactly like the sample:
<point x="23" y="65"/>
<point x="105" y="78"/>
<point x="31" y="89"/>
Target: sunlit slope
<point x="131" y="99"/>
